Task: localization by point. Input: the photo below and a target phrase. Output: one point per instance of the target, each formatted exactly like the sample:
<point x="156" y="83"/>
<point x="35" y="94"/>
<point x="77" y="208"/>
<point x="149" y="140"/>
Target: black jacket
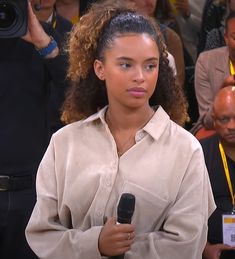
<point x="25" y="82"/>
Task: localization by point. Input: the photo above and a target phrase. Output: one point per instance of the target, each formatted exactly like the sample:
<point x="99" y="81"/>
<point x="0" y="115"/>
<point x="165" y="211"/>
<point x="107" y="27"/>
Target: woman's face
<point x="130" y="70"/>
<point x="145" y="6"/>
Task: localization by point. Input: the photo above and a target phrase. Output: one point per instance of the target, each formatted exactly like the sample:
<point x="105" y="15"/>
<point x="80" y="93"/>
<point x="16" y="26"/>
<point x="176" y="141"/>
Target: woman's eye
<point x="150" y="66"/>
<point x="125" y="65"/>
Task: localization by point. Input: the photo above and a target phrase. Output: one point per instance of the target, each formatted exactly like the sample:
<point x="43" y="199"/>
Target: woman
<point x="119" y="67"/>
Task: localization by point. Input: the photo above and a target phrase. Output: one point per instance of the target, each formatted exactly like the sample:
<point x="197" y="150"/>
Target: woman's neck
<point x="124" y="125"/>
<point x="129" y="119"/>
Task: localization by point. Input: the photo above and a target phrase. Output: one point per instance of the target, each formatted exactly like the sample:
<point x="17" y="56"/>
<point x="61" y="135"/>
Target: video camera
<point x="13" y="18"/>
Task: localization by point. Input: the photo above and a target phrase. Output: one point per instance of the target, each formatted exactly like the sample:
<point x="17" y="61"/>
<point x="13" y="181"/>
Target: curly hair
<point x="88" y="40"/>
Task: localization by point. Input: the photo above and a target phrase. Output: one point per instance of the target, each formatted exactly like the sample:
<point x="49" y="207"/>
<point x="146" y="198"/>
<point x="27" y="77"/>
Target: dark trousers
<point x="15" y="210"/>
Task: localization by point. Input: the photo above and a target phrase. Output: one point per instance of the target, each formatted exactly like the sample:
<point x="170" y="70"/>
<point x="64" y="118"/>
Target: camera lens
<point x="13" y="18"/>
<point x="7" y="15"/>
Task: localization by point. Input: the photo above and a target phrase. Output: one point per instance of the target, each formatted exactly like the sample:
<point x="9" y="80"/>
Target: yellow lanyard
<point x="232" y="71"/>
<point x="226" y="171"/>
<point x="53" y="20"/>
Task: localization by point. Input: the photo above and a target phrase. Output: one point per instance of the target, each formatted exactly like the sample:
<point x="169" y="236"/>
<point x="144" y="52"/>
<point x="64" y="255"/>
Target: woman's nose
<point x="139" y="75"/>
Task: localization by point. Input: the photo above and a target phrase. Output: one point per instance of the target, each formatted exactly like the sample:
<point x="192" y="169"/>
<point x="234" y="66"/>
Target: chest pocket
<point x="150" y="209"/>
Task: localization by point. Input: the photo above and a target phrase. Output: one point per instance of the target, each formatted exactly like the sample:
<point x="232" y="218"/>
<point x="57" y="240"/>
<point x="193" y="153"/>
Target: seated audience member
<point x="69" y="9"/>
<point x="172" y="39"/>
<point x="121" y="104"/>
<point x="28" y="66"/>
<point x="189" y="16"/>
<point x="165" y="14"/>
<point x="213" y="16"/>
<point x="219" y="152"/>
<point x="215" y="37"/>
<point x="214" y="69"/>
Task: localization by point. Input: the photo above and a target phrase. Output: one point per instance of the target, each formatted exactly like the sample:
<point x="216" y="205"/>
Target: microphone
<point x="126" y="207"/>
<point x="125" y="211"/>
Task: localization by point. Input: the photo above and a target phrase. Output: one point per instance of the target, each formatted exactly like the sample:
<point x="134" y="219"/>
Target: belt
<point x="13" y="183"/>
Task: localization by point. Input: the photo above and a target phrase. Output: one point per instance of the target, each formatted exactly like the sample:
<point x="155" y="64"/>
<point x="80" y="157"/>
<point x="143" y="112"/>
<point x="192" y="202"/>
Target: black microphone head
<point x="126" y="207"/>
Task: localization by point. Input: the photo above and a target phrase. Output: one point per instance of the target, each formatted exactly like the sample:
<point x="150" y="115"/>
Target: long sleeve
<point x="184" y="227"/>
<point x="50" y="236"/>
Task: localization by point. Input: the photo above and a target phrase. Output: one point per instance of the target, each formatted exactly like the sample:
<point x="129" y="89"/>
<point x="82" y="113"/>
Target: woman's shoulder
<point x="68" y="131"/>
<point x="81" y="127"/>
<point x="172" y="133"/>
<point x="179" y="139"/>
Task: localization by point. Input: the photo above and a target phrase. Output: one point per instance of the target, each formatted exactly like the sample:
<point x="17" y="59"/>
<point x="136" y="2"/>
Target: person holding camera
<point x="46" y="11"/>
<point x="28" y="66"/>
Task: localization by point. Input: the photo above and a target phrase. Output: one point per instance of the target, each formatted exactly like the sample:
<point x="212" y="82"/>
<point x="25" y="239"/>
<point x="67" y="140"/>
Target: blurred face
<point x="130" y="70"/>
<point x="145" y="6"/>
<point x="45" y="4"/>
<point x="224" y="117"/>
<point x="230" y="38"/>
<point x="231" y="5"/>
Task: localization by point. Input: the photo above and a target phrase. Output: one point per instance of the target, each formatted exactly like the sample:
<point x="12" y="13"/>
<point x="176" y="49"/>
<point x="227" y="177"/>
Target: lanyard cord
<point x="226" y="171"/>
<point x="232" y="71"/>
<point x="53" y="20"/>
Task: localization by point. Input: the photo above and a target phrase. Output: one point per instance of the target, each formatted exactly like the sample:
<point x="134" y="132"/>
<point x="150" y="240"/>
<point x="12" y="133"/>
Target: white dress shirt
<point x="81" y="179"/>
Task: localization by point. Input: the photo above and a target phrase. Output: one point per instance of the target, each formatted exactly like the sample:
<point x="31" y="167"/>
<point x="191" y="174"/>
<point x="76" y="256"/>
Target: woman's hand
<point x="115" y="239"/>
<point x="213" y="251"/>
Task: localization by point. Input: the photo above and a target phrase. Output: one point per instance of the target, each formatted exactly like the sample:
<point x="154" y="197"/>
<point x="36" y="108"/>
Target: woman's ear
<point x="99" y="69"/>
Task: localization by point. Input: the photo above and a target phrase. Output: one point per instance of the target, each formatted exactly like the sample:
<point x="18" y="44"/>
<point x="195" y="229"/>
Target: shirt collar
<point x="100" y="115"/>
<point x="157" y="124"/>
<point x="155" y="127"/>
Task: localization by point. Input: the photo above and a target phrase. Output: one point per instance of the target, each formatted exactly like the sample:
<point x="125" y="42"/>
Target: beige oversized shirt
<point x="81" y="179"/>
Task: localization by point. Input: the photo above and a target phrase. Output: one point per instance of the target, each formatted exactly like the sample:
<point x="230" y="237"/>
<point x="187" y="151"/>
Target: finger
<point x="126" y="237"/>
<point x="126" y="244"/>
<point x="130" y="235"/>
<point x="126" y="228"/>
<point x="110" y="222"/>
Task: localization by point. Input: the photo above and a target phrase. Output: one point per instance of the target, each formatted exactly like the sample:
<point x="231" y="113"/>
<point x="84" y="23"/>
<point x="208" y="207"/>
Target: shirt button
<point x="108" y="182"/>
<point x="139" y="136"/>
<point x="99" y="213"/>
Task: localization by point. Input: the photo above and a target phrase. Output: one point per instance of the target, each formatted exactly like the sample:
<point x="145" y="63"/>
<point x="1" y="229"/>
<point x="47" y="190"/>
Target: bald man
<point x="219" y="151"/>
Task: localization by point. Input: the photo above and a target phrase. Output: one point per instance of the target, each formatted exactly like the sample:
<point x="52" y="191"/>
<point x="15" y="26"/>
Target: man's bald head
<point x="225" y="96"/>
<point x="224" y="113"/>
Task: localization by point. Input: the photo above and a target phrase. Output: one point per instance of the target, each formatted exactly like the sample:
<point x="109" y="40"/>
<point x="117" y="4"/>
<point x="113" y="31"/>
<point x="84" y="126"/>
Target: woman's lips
<point x="137" y="91"/>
